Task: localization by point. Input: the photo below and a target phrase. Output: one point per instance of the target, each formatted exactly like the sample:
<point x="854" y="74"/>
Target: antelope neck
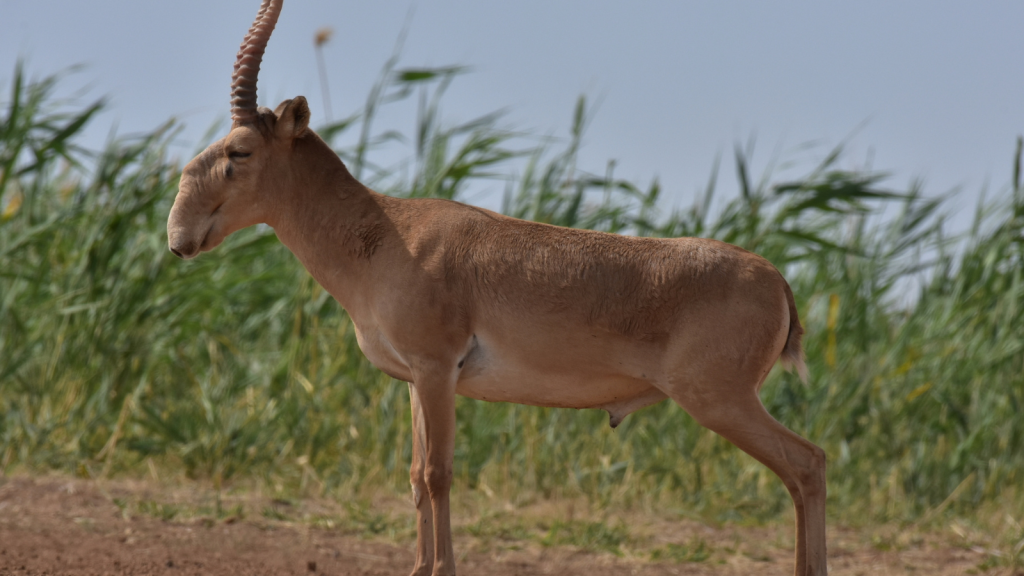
<point x="334" y="225"/>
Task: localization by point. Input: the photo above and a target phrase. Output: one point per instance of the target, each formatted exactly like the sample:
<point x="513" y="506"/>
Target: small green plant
<point x="362" y="519"/>
<point x="599" y="536"/>
<point x="499" y="527"/>
<point x="163" y="511"/>
<point x="696" y="550"/>
<point x="274" y="513"/>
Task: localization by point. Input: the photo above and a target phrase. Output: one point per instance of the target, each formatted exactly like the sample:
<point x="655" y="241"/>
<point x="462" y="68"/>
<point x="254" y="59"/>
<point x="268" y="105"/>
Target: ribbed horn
<point x="247" y="63"/>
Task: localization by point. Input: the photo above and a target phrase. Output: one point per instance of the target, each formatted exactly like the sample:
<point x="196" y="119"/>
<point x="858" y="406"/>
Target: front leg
<point x="434" y="390"/>
<point x="424" y="513"/>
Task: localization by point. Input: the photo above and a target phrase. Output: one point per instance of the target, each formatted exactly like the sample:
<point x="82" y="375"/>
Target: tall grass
<point x="116" y="357"/>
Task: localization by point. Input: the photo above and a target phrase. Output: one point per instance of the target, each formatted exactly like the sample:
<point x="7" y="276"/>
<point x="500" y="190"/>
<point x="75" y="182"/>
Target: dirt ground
<point x="62" y="526"/>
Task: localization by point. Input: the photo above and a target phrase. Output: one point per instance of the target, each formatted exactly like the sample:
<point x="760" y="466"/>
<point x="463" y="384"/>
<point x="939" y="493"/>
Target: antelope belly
<point x="555" y="372"/>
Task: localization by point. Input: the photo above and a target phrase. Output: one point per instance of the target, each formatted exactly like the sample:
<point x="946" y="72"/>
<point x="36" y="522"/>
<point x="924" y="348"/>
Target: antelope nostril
<point x="176" y="253"/>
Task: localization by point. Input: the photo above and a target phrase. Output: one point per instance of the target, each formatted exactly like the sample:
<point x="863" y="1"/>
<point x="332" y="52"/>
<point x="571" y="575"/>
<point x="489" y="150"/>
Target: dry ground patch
<point x="68" y="526"/>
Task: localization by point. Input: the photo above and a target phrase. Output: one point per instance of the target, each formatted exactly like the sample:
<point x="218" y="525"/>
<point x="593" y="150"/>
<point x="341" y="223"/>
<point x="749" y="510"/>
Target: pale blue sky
<point x="939" y="84"/>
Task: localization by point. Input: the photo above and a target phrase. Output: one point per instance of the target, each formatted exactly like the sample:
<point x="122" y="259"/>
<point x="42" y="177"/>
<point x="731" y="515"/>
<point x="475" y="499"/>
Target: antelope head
<point x="231" y="184"/>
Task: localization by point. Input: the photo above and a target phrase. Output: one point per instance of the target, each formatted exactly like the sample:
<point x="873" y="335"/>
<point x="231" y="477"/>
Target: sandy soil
<point x="60" y="526"/>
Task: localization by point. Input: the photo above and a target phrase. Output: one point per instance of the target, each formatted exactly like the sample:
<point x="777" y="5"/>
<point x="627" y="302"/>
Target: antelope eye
<point x="238" y="155"/>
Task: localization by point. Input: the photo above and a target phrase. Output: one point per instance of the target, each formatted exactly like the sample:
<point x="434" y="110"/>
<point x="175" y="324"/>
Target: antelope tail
<point x="792" y="354"/>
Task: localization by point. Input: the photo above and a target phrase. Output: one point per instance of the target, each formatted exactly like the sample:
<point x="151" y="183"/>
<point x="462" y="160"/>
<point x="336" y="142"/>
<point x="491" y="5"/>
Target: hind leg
<point x="739" y="417"/>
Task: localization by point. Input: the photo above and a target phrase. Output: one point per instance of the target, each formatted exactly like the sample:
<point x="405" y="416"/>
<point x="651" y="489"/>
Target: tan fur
<point x="460" y="300"/>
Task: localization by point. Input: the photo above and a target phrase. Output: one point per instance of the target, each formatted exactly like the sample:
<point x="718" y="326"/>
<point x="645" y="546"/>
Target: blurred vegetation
<point x="117" y="358"/>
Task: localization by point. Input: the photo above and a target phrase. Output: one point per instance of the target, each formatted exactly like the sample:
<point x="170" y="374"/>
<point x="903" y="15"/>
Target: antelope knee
<point x="812" y="473"/>
<point x="417" y="494"/>
<point x="419" y="484"/>
<point x="438" y="480"/>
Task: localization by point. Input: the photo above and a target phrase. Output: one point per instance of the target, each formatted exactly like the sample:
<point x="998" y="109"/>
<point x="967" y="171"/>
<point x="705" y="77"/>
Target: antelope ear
<point x="292" y="118"/>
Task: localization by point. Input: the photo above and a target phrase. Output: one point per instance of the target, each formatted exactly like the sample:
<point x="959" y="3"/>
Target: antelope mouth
<point x="204" y="244"/>
<point x="210" y="241"/>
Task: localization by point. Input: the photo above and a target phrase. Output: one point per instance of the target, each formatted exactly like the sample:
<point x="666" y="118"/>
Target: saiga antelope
<point x="459" y="300"/>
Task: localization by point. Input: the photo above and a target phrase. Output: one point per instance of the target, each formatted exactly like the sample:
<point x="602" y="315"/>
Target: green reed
<point x="116" y="357"/>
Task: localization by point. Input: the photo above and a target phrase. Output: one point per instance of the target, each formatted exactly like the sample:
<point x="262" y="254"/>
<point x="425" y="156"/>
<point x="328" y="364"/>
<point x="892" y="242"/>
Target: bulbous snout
<point x="188" y="225"/>
<point x="180" y="240"/>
